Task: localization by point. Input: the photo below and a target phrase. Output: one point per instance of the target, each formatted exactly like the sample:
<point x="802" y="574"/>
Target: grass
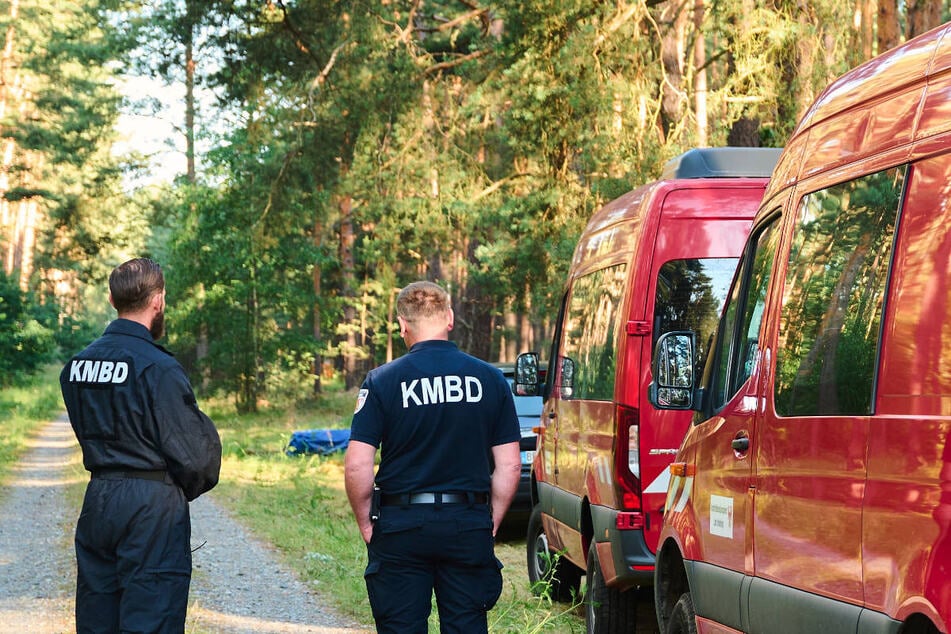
<point x="25" y="407"/>
<point x="299" y="505"/>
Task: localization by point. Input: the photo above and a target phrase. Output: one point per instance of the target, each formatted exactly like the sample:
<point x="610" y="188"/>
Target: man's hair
<point x="422" y="300"/>
<point x="133" y="283"/>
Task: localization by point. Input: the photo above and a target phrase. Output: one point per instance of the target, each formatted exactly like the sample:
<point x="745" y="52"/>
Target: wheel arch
<point x="670" y="581"/>
<point x="918" y="623"/>
<point x="587" y="525"/>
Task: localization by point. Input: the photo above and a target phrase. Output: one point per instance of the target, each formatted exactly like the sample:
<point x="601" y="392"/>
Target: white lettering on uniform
<point x="87" y="371"/>
<point x="473" y="389"/>
<point x="410" y="392"/>
<point x="91" y="371"/>
<point x="432" y="390"/>
<point x="453" y="389"/>
<point x="441" y="389"/>
<point x="122" y="371"/>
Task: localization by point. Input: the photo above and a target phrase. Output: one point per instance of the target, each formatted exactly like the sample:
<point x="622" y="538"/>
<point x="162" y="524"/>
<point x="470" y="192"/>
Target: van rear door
<point x="694" y="259"/>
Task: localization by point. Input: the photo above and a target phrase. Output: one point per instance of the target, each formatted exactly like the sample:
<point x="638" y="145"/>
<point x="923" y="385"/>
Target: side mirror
<point x="673" y="368"/>
<point x="526" y="382"/>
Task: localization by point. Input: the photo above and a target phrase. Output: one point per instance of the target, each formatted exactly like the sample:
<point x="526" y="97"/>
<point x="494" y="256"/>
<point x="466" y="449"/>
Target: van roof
<point x="722" y="162"/>
<point x="888" y="103"/>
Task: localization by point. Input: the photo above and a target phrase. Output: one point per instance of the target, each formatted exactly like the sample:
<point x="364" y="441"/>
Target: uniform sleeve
<point x="188" y="439"/>
<point x="367" y="423"/>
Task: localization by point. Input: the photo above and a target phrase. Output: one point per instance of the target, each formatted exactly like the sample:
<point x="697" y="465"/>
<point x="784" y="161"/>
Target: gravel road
<point x="239" y="585"/>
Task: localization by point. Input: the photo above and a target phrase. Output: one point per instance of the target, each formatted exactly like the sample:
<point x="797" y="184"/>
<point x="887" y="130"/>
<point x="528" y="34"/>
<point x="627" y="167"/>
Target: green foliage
<point x="353" y="147"/>
<point x="62" y="172"/>
<point x="25" y="343"/>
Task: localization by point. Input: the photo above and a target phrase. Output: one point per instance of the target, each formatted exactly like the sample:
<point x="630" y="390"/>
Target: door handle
<point x="740" y="444"/>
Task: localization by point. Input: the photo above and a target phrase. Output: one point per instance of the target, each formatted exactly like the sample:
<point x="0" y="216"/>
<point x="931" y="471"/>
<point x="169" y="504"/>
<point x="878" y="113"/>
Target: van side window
<point x="690" y="295"/>
<point x="833" y="296"/>
<point x="591" y="332"/>
<point x="738" y="340"/>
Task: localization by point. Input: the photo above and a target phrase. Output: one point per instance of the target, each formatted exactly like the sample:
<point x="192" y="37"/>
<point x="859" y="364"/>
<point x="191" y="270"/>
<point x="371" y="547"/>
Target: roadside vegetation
<point x="26" y="403"/>
<point x="299" y="505"/>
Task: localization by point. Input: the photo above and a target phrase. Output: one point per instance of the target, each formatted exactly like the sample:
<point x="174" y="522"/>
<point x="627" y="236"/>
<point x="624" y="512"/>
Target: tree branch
<point x="297" y="35"/>
<point x="453" y="63"/>
<point x="497" y="185"/>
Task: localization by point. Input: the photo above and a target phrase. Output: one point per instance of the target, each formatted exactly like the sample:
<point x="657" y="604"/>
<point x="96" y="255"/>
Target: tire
<point x="607" y="610"/>
<point x="549" y="572"/>
<point x="683" y="619"/>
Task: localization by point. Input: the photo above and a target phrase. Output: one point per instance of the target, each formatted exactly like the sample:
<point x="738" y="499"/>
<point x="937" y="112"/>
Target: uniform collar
<point x="131" y="328"/>
<point x="433" y="344"/>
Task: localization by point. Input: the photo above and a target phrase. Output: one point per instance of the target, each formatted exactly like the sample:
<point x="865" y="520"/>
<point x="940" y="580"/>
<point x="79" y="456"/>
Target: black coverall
<point x="435" y="413"/>
<point x="150" y="450"/>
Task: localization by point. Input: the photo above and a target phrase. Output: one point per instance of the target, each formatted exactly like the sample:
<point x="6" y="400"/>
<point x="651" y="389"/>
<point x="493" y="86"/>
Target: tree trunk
<point x="201" y="339"/>
<point x="348" y="286"/>
<point x="865" y="12"/>
<point x="700" y="80"/>
<point x="887" y="25"/>
<point x="318" y="361"/>
<point x="189" y="35"/>
<point x="18" y="220"/>
<point x="8" y="80"/>
<point x="672" y="56"/>
<point x="744" y="133"/>
<point x="922" y="16"/>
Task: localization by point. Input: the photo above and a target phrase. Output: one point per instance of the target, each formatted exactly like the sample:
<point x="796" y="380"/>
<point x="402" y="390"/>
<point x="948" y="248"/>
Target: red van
<point x="812" y="493"/>
<point x="657" y="259"/>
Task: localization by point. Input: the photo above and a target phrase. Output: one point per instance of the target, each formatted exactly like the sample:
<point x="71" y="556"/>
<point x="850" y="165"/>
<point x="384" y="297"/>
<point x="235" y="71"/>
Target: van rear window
<point x="690" y="296"/>
<point x="833" y="296"/>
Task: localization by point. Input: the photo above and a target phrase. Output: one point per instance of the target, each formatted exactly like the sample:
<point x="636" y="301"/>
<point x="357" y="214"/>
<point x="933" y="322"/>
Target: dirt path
<point x="37" y="569"/>
<point x="238" y="586"/>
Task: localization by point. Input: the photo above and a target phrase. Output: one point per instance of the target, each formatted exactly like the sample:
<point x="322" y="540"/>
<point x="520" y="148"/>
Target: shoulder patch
<point x="361" y="399"/>
<point x="99" y="371"/>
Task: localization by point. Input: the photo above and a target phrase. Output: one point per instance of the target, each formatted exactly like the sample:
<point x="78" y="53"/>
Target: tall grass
<point x="299" y="505"/>
<point x="25" y="406"/>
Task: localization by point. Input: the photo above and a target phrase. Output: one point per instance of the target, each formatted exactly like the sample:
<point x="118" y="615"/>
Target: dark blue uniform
<point x="435" y="413"/>
<point x="150" y="450"/>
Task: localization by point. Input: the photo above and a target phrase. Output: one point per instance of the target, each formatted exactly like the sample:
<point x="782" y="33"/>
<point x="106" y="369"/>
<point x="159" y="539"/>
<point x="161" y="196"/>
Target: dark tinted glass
<point x="739" y="337"/>
<point x="689" y="296"/>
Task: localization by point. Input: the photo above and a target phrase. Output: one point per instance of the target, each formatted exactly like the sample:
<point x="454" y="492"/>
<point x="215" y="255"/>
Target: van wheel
<point x="683" y="619"/>
<point x="547" y="571"/>
<point x="607" y="610"/>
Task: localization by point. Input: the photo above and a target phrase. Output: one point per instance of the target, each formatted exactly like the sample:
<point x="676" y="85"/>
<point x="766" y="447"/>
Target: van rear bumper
<point x="633" y="560"/>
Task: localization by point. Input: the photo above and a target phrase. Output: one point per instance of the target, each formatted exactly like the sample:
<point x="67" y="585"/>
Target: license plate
<point x="528" y="457"/>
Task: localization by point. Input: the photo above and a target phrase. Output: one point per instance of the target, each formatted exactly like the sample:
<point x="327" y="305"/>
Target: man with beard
<point x="150" y="450"/>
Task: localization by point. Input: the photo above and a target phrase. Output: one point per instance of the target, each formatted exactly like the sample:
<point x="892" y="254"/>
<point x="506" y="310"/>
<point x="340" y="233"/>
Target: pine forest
<point x="330" y="151"/>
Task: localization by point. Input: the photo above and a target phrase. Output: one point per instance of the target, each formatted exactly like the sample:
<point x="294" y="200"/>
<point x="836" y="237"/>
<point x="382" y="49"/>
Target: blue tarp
<point x="318" y="441"/>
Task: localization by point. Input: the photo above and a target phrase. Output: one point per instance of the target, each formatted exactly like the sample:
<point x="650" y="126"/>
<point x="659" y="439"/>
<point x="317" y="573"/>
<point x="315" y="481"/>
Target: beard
<point x="157" y="328"/>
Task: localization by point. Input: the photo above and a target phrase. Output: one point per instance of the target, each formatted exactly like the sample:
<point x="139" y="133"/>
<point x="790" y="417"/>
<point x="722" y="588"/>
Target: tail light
<point x="627" y="464"/>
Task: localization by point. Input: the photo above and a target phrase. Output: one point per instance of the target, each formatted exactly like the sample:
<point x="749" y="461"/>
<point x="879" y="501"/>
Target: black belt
<point x="121" y="474"/>
<point x="434" y="498"/>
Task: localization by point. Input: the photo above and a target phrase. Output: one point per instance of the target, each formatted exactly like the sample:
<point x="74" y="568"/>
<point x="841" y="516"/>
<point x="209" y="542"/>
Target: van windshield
<point x="690" y="296"/>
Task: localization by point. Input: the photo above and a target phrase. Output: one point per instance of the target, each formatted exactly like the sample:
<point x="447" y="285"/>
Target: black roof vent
<point x="723" y="162"/>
